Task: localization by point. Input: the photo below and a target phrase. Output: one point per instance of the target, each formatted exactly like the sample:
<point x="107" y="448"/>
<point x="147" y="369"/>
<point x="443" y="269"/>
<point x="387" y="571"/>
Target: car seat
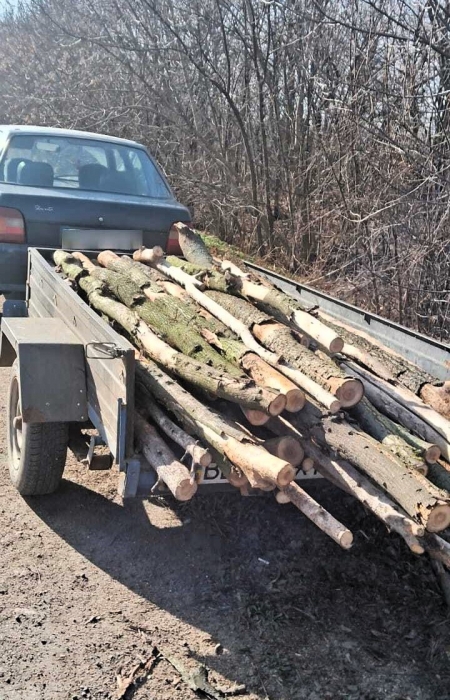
<point x="11" y="166"/>
<point x="89" y="176"/>
<point x="35" y="173"/>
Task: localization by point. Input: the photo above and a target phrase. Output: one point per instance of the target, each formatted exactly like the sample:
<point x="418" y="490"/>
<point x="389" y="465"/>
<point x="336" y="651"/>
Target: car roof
<point x="53" y="131"/>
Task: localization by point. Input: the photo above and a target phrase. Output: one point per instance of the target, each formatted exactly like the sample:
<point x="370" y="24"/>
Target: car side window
<point x="139" y="174"/>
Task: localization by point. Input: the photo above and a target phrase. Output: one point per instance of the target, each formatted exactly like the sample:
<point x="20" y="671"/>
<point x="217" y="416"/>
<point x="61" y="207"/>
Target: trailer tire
<point x="37" y="451"/>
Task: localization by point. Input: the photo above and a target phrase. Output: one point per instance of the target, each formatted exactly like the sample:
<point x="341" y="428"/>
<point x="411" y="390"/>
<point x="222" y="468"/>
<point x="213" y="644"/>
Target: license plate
<point x="213" y="476"/>
<point x="100" y="239"/>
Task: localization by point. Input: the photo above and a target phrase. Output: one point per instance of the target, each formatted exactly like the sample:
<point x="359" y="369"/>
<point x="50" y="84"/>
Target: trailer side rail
<point x="429" y="354"/>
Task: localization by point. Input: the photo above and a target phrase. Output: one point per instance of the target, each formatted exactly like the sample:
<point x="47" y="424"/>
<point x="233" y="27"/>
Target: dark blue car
<point x="76" y="190"/>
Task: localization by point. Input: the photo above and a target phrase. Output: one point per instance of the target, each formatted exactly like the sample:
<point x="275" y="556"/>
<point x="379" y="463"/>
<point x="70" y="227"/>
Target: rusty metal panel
<point x="110" y="379"/>
<point x="51" y="369"/>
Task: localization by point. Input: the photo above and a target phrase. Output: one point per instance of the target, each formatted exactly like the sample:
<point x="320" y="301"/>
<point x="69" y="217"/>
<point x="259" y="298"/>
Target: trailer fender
<point x="52" y="370"/>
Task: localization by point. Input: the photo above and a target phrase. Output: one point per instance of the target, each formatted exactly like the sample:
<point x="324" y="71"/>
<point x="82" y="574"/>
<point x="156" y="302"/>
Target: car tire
<point x="37" y="451"/>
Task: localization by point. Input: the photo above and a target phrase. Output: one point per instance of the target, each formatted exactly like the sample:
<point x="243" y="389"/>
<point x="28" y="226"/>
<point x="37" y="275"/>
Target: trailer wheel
<point x="37" y="451"/>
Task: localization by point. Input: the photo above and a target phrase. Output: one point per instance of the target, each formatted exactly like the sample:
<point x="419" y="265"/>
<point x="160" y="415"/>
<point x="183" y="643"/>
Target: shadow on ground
<point x="306" y="619"/>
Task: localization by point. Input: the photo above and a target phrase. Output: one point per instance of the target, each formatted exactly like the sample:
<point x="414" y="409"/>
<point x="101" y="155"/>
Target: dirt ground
<point x="89" y="586"/>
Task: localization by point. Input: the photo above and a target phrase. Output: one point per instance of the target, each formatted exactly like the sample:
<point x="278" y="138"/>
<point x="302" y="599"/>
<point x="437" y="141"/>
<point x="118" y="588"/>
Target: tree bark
<point x="194" y="250"/>
<point x="439" y="475"/>
<point x="431" y="441"/>
<point x="318" y="515"/>
<point x="171" y="318"/>
<point x="281" y="342"/>
<point x="161" y="458"/>
<point x="440" y="426"/>
<point x="390" y="366"/>
<point x="384" y="430"/>
<point x="417" y="496"/>
<point x="262" y="469"/>
<point x="199" y="454"/>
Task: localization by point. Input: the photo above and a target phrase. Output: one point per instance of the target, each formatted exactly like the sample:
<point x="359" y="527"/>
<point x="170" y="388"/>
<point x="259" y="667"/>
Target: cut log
<point x="318" y="515"/>
<point x="189" y="284"/>
<point x="275" y="301"/>
<point x="430" y="440"/>
<point x="287" y="448"/>
<point x="255" y="417"/>
<point x="194" y="250"/>
<point x="211" y="382"/>
<point x="86" y="262"/>
<point x="277" y="337"/>
<point x="390" y="366"/>
<point x="384" y="430"/>
<point x="440" y="426"/>
<point x="169" y="317"/>
<point x="149" y="256"/>
<point x="234" y="475"/>
<point x="240" y="391"/>
<point x="439" y="475"/>
<point x="262" y="469"/>
<point x="278" y="303"/>
<point x="199" y="454"/>
<point x="174" y="474"/>
<point x="282" y="498"/>
<point x="346" y="477"/>
<point x="417" y="496"/>
<point x="294" y="356"/>
<point x="267" y="376"/>
<point x="308" y="464"/>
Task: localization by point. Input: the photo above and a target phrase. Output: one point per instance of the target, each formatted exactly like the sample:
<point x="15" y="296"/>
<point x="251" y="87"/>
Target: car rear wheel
<point x="37" y="451"/>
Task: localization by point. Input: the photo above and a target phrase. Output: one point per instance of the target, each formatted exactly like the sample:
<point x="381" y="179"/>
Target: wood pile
<point x="232" y="371"/>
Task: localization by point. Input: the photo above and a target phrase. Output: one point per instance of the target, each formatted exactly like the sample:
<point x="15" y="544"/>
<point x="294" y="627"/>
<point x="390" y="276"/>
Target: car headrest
<point x="89" y="176"/>
<point x="11" y="166"/>
<point x="35" y="173"/>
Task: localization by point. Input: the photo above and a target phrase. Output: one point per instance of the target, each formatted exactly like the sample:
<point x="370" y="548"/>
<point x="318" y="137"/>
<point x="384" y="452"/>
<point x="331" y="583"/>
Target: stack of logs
<point x="231" y="370"/>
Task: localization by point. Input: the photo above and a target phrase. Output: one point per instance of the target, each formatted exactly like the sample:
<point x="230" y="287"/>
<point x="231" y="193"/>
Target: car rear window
<point x="83" y="164"/>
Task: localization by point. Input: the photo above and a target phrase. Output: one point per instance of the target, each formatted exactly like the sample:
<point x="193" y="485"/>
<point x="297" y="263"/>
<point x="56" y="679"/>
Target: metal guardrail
<point x="429" y="354"/>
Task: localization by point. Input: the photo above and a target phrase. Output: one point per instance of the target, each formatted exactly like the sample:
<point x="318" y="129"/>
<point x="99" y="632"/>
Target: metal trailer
<point x="72" y="381"/>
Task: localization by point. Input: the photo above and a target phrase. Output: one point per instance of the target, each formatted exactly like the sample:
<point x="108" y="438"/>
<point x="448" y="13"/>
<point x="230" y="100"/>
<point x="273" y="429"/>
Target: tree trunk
<point x="194" y="250"/>
<point x="390" y="366"/>
<point x="346" y="477"/>
<point x="432" y="442"/>
<point x="280" y="341"/>
<point x="262" y="469"/>
<point x="199" y="454"/>
<point x="287" y="448"/>
<point x="384" y="430"/>
<point x="174" y="474"/>
<point x="408" y="400"/>
<point x="417" y="496"/>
